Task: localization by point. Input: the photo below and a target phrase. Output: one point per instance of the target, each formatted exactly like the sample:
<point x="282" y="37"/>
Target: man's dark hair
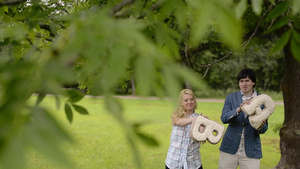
<point x="247" y="73"/>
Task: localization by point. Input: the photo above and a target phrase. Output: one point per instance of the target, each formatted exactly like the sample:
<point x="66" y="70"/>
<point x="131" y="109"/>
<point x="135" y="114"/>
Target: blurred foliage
<point x="264" y="37"/>
<point x="269" y="69"/>
<point x="46" y="45"/>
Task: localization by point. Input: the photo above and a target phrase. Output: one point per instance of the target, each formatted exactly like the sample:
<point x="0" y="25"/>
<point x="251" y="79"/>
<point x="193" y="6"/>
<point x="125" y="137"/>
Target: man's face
<point x="246" y="85"/>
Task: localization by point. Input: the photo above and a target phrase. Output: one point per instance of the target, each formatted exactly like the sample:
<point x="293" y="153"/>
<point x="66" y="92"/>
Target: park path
<point x="200" y="99"/>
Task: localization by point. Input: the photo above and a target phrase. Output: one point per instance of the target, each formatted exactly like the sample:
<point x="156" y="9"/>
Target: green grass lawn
<point x="100" y="142"/>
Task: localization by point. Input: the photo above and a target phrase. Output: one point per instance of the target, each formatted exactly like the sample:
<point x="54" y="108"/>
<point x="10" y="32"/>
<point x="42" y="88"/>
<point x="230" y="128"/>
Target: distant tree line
<point x="269" y="69"/>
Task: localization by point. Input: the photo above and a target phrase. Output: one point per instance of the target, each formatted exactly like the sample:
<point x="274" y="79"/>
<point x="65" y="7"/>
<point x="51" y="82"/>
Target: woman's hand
<point x="202" y="129"/>
<point x="203" y="115"/>
<point x="202" y="142"/>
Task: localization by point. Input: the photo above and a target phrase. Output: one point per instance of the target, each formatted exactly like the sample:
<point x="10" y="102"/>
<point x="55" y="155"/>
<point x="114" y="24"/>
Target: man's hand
<point x="262" y="124"/>
<point x="239" y="109"/>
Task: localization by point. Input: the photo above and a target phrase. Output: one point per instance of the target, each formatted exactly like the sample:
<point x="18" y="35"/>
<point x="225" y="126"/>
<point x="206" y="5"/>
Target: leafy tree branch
<point x="11" y="3"/>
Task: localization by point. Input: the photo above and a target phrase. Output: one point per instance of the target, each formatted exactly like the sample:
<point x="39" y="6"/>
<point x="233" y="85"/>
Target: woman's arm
<point x="183" y="121"/>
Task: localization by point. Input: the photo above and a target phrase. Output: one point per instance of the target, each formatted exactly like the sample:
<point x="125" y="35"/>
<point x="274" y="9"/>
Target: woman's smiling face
<point x="188" y="103"/>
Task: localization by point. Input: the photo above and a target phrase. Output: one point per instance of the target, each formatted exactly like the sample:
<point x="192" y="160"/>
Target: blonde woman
<point x="184" y="152"/>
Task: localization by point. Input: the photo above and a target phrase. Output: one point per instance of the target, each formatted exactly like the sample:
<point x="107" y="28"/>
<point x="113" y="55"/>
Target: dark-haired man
<point x="241" y="143"/>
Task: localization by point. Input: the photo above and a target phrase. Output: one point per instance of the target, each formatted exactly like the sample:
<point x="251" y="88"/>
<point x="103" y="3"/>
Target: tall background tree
<point x="46" y="45"/>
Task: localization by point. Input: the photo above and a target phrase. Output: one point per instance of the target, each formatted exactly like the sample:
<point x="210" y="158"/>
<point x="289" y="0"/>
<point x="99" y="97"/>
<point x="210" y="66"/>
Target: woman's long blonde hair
<point x="179" y="111"/>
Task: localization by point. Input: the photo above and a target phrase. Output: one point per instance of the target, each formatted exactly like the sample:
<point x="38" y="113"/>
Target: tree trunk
<point x="290" y="132"/>
<point x="132" y="85"/>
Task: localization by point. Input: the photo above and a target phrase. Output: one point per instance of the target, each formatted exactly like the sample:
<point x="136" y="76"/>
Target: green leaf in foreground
<point x="45" y="135"/>
<point x="114" y="106"/>
<point x="241" y="8"/>
<point x="69" y="113"/>
<point x="278" y="10"/>
<point x="280" y="23"/>
<point x="136" y="154"/>
<point x="295" y="43"/>
<point x="202" y="19"/>
<point x="74" y="95"/>
<point x="256" y="6"/>
<point x="40" y="98"/>
<point x="80" y="109"/>
<point x="281" y="42"/>
<point x="57" y="101"/>
<point x="151" y="141"/>
<point x="229" y="28"/>
<point x="13" y="151"/>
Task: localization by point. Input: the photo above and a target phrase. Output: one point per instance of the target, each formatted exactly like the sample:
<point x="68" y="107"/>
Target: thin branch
<point x="143" y="7"/>
<point x="186" y="50"/>
<point x="217" y="61"/>
<point x="153" y="7"/>
<point x="246" y="42"/>
<point x="271" y="24"/>
<point x="11" y="3"/>
<point x="120" y="6"/>
<point x="64" y="9"/>
<point x="289" y="23"/>
<point x="205" y="72"/>
<point x="31" y="43"/>
<point x="257" y="26"/>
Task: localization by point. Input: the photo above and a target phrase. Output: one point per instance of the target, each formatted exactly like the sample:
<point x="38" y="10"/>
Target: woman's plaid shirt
<point x="183" y="151"/>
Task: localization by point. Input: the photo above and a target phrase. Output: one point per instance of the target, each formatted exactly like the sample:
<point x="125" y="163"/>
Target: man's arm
<point x="228" y="113"/>
<point x="263" y="128"/>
